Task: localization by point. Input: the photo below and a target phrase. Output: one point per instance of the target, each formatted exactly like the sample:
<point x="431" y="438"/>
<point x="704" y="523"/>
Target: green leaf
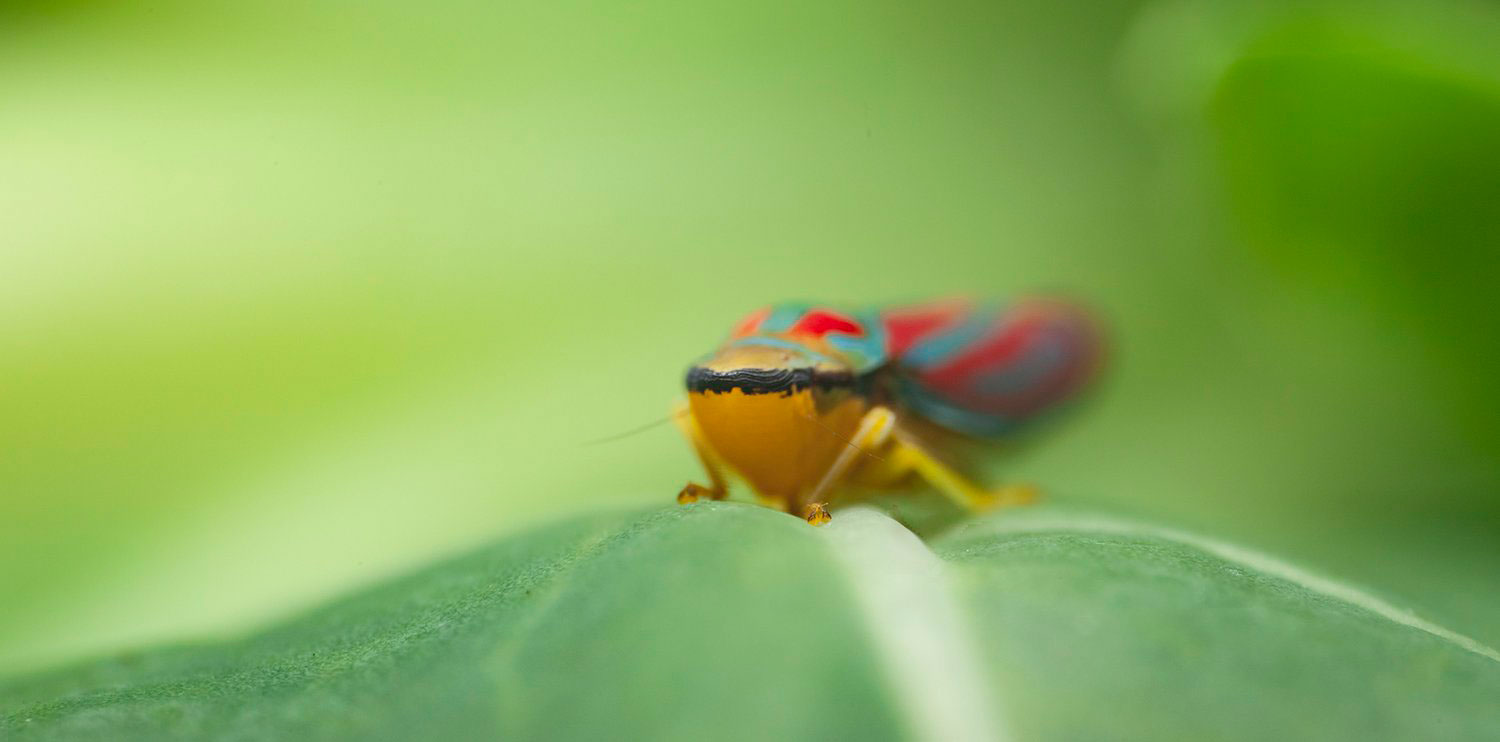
<point x="731" y="621"/>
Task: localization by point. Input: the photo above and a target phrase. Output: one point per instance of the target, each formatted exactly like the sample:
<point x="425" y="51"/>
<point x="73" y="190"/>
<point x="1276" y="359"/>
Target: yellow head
<point x="776" y="412"/>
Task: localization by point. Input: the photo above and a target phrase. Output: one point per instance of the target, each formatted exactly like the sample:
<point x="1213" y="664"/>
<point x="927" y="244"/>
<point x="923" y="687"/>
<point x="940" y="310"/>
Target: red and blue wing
<point x="990" y="370"/>
<point x="856" y="338"/>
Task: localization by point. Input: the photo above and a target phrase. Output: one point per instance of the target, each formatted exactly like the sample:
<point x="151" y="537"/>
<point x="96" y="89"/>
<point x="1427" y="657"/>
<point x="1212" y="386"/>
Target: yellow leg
<point x="718" y="488"/>
<point x="908" y="452"/>
<point x="873" y="431"/>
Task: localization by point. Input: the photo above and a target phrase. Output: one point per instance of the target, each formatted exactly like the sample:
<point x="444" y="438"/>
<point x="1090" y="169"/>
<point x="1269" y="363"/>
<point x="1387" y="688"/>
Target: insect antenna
<point x="847" y="441"/>
<point x="633" y="431"/>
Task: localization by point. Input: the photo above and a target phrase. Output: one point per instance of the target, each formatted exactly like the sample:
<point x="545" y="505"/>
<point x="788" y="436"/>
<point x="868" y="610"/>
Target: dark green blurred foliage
<point x="295" y="295"/>
<point x="1373" y="174"/>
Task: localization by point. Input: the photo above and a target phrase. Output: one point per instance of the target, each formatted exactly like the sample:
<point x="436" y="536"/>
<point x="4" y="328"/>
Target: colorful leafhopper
<point x="803" y="402"/>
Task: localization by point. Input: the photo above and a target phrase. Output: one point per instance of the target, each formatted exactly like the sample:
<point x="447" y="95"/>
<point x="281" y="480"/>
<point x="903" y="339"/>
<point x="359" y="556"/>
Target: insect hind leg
<point x="909" y="454"/>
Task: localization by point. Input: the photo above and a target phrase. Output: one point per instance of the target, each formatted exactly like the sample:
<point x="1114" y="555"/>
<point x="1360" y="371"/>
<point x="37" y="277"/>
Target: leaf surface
<point x="734" y="622"/>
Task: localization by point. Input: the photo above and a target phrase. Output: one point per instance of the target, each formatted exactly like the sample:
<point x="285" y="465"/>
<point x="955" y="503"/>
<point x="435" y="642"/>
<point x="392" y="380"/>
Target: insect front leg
<point x="718" y="488"/>
<point x="873" y="432"/>
<point x="907" y="452"/>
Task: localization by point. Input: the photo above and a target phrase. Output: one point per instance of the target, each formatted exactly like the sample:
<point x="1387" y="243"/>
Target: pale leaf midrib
<point x="922" y="637"/>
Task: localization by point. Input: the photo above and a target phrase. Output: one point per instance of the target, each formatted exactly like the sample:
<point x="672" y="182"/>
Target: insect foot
<point x="691" y="493"/>
<point x="817" y="514"/>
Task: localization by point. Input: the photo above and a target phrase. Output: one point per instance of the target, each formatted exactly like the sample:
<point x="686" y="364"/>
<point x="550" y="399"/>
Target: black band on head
<point x="765" y="380"/>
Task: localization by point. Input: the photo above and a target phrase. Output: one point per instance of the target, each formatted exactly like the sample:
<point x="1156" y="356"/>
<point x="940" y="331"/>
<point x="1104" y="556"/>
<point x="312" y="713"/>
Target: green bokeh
<point x="296" y="295"/>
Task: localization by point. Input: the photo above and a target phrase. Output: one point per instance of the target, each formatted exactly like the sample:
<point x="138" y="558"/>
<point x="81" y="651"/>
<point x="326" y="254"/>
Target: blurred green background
<point x="296" y="295"/>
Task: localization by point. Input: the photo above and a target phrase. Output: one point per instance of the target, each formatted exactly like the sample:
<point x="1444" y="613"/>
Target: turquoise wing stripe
<point x="783" y="317"/>
<point x="936" y="350"/>
<point x="862" y="353"/>
<point x="951" y="416"/>
<point x="866" y="352"/>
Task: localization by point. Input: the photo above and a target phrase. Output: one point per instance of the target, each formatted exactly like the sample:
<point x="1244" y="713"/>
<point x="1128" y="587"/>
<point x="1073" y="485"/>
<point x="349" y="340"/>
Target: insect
<point x="803" y="402"/>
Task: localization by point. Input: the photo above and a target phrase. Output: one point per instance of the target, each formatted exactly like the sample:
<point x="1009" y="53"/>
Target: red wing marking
<point x="820" y="322"/>
<point x="750" y="323"/>
<point x="906" y="326"/>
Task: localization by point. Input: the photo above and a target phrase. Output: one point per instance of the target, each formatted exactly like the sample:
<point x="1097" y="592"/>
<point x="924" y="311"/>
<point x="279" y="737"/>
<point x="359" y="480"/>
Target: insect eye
<point x="750" y="323"/>
<point x="820" y="322"/>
